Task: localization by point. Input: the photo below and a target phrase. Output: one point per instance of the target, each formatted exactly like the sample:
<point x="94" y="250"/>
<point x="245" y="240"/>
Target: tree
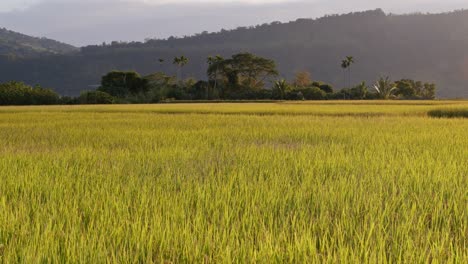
<point x="405" y="89"/>
<point x="159" y="85"/>
<point x="280" y="89"/>
<point x="346" y="65"/>
<point x="121" y="84"/>
<point x="161" y="62"/>
<point x="200" y="90"/>
<point x="358" y="92"/>
<point x="385" y="88"/>
<point x="410" y="89"/>
<point x="214" y="62"/>
<point x="429" y="91"/>
<point x="244" y="70"/>
<point x="302" y="79"/>
<point x="180" y="62"/>
<point x="327" y="88"/>
<point x="18" y="93"/>
<point x="95" y="97"/>
<point x="313" y="93"/>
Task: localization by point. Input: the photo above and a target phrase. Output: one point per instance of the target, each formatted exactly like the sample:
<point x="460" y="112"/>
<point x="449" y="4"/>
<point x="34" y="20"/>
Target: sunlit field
<point x="307" y="182"/>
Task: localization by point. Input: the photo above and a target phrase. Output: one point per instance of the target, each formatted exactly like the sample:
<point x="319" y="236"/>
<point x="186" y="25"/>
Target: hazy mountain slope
<point x="13" y="44"/>
<point x="429" y="47"/>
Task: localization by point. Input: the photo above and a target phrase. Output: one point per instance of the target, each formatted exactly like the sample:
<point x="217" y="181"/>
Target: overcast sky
<point x="83" y="22"/>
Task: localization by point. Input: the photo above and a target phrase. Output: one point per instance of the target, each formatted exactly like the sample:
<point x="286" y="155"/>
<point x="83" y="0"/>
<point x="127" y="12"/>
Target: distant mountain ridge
<point x="13" y="44"/>
<point x="427" y="47"/>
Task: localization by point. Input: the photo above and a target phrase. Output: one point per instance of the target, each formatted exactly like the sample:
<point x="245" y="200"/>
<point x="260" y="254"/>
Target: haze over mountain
<point x="83" y="22"/>
<point x="428" y="47"/>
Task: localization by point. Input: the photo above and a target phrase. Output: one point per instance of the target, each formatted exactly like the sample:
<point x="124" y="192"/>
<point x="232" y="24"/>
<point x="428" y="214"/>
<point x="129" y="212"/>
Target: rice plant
<point x="221" y="183"/>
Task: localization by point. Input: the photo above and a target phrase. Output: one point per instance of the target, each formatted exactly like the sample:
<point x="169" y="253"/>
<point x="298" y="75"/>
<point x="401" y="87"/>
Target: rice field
<point x="306" y="182"/>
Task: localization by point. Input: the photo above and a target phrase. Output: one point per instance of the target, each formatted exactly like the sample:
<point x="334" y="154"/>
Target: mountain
<point x="13" y="45"/>
<point x="427" y="47"/>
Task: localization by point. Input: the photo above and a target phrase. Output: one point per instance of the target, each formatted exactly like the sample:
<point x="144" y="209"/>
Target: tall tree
<point x="350" y="62"/>
<point x="180" y="62"/>
<point x="302" y="79"/>
<point x="280" y="88"/>
<point x="346" y="65"/>
<point x="161" y="62"/>
<point x="245" y="70"/>
<point x="215" y="63"/>
<point x="121" y="84"/>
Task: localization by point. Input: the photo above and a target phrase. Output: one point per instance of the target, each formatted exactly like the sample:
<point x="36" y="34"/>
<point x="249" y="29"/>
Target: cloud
<point x="82" y="22"/>
<point x="6" y="5"/>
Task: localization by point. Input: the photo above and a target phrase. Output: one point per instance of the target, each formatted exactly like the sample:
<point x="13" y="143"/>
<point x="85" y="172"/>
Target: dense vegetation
<point x="243" y="76"/>
<point x="430" y="47"/>
<point x="14" y="46"/>
<point x="311" y="182"/>
<point x="15" y="93"/>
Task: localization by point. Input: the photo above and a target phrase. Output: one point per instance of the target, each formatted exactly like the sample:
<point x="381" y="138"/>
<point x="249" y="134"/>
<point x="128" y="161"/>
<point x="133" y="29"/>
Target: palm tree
<point x="385" y="88"/>
<point x="346" y="65"/>
<point x="350" y="61"/>
<point x="281" y="87"/>
<point x="215" y="61"/>
<point x="161" y="62"/>
<point x="180" y="62"/>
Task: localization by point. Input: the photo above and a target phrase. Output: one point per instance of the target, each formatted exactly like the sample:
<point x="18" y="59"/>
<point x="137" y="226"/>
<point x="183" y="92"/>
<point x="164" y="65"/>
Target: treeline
<point x="17" y="93"/>
<point x="243" y="76"/>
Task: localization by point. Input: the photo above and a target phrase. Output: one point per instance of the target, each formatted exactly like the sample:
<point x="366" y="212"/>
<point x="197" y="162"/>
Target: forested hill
<point x="16" y="45"/>
<point x="429" y="47"/>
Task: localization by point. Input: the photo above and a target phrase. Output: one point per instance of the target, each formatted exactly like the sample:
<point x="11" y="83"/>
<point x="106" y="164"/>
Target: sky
<point x="85" y="22"/>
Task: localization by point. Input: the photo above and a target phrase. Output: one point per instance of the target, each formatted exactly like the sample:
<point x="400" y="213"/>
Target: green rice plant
<point x="223" y="183"/>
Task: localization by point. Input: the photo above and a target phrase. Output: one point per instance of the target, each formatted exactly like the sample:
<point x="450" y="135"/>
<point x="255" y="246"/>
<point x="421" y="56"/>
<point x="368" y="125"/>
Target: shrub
<point x="95" y="97"/>
<point x="313" y="93"/>
<point x="18" y="93"/>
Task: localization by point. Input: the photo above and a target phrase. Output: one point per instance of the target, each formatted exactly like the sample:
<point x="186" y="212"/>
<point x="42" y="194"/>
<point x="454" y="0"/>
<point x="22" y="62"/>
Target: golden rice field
<point x="312" y="182"/>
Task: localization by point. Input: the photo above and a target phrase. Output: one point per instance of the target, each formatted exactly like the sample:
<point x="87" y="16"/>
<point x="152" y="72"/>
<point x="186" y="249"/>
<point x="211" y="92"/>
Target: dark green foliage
<point x="243" y="71"/>
<point x="280" y="89"/>
<point x="261" y="94"/>
<point x="121" y="84"/>
<point x="358" y="92"/>
<point x="449" y="113"/>
<point x="180" y="62"/>
<point x="95" y="97"/>
<point x="294" y="95"/>
<point x="200" y="91"/>
<point x="17" y="93"/>
<point x="429" y="91"/>
<point x="407" y="88"/>
<point x="327" y="88"/>
<point x="160" y="87"/>
<point x="312" y="93"/>
<point x="411" y="89"/>
<point x="68" y="100"/>
<point x="346" y="65"/>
